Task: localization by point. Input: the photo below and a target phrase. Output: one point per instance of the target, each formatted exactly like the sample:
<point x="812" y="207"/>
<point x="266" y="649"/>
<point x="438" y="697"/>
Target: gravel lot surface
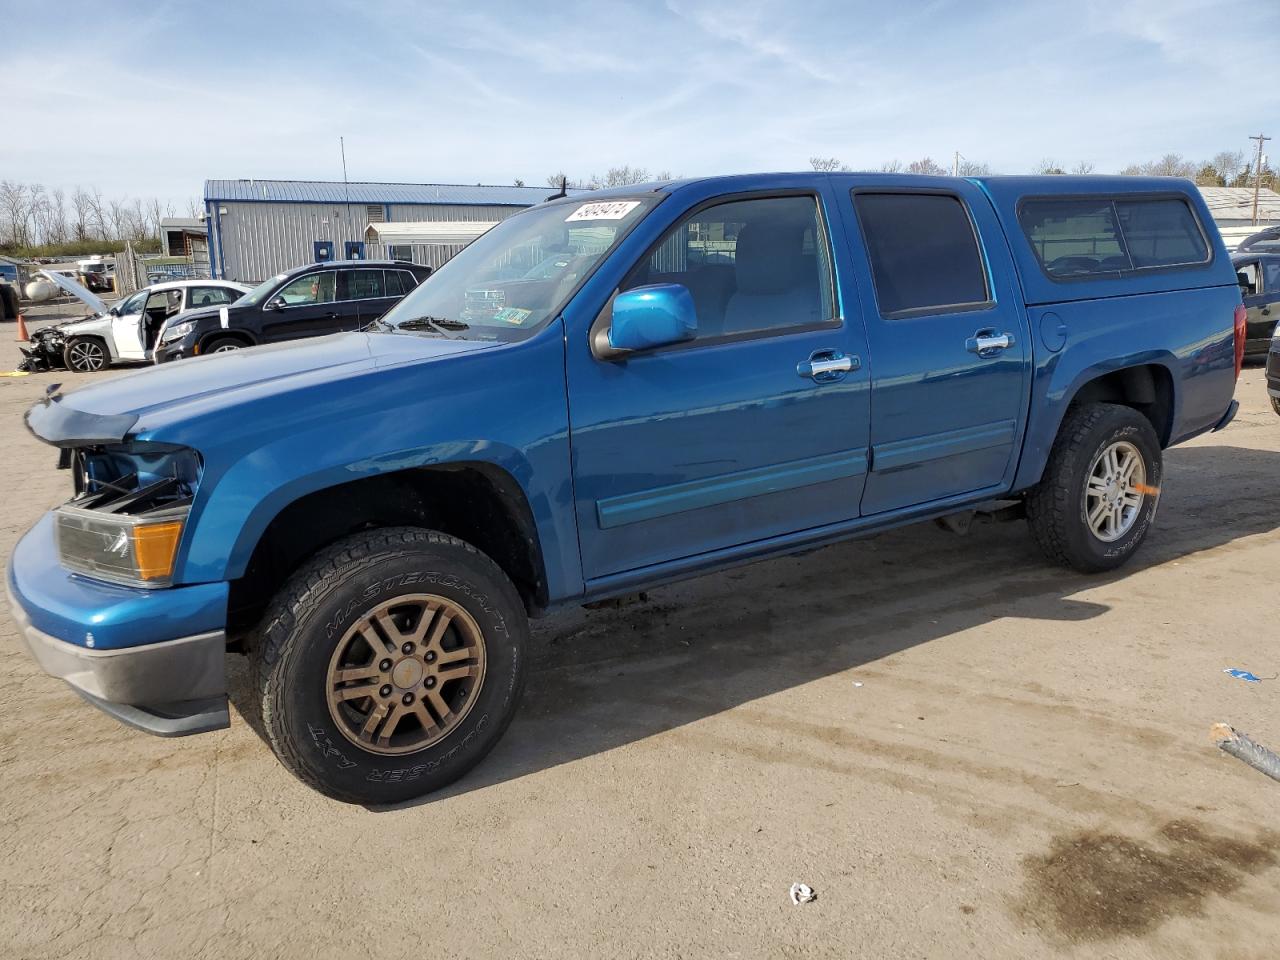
<point x="965" y="752"/>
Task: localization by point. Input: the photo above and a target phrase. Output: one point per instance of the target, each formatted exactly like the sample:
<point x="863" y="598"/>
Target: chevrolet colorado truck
<point x="601" y="395"/>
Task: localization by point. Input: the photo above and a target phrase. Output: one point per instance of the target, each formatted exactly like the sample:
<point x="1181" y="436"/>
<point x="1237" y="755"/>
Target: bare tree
<point x="194" y="208"/>
<point x="619" y="177"/>
<point x="974" y="168"/>
<point x="1171" y="165"/>
<point x="1083" y="167"/>
<point x="829" y="165"/>
<point x="14" y="201"/>
<point x="926" y="165"/>
<point x="58" y="216"/>
<point x="1048" y="167"/>
<point x="100" y="212"/>
<point x="1228" y="163"/>
<point x="892" y="166"/>
<point x="81" y="204"/>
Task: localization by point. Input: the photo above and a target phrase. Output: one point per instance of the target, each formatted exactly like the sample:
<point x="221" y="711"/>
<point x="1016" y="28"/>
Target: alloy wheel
<point x="405" y="674"/>
<point x="1114" y="491"/>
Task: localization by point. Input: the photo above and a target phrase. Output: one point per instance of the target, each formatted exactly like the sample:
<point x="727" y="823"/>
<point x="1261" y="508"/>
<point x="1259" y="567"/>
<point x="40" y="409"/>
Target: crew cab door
<point x="732" y="437"/>
<point x="948" y="339"/>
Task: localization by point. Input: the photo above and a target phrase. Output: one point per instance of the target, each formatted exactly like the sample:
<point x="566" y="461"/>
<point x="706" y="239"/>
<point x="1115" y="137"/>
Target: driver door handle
<point x="824" y="366"/>
<point x="989" y="343"/>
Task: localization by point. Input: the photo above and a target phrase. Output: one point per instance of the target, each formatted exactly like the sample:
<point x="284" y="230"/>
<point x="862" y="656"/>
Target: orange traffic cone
<point x="22" y="331"/>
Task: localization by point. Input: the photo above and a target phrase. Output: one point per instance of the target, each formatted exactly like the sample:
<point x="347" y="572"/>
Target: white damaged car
<point x="128" y="330"/>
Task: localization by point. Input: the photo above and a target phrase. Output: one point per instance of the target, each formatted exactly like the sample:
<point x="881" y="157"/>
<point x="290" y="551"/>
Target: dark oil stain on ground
<point x="1096" y="886"/>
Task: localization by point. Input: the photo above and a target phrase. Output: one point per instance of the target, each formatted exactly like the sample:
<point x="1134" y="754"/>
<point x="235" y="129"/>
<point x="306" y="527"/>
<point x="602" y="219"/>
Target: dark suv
<point x="308" y="301"/>
<point x="1259" y="277"/>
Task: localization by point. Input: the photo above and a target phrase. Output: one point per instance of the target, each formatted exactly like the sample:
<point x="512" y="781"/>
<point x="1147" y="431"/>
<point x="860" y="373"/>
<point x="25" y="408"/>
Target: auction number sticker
<point x="512" y="315"/>
<point x="603" y="210"/>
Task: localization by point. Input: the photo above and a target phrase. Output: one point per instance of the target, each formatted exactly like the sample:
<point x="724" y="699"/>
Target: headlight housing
<point x="138" y="551"/>
<point x="177" y="331"/>
<point x="126" y="521"/>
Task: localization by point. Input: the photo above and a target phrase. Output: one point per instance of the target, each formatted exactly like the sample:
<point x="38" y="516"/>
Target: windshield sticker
<point x="603" y="210"/>
<point x="512" y="315"/>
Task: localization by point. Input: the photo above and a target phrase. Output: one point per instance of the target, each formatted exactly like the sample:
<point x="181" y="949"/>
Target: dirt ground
<point x="964" y="751"/>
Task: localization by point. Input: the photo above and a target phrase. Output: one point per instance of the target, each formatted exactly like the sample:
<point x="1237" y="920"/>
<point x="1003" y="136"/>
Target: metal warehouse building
<point x="257" y="228"/>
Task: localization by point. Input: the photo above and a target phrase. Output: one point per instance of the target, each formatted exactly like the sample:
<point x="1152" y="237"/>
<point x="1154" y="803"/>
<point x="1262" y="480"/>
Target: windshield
<point x="512" y="279"/>
<point x="259" y="293"/>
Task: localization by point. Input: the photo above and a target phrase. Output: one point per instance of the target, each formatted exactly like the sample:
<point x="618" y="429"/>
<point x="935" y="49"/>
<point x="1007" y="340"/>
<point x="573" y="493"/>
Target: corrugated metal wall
<point x="260" y="240"/>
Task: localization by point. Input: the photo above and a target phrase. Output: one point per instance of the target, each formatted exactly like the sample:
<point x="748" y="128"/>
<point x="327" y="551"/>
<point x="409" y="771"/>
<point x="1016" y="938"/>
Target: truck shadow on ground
<point x="604" y="678"/>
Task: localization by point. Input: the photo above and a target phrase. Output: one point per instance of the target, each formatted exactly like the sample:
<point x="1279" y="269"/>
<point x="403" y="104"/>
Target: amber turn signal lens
<point x="155" y="546"/>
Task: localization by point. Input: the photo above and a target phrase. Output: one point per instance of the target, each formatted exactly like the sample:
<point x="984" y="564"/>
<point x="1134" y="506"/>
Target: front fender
<point x="504" y="407"/>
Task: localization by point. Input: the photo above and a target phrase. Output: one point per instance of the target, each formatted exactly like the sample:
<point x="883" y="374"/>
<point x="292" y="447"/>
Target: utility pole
<point x="1257" y="175"/>
<point x="955" y="168"/>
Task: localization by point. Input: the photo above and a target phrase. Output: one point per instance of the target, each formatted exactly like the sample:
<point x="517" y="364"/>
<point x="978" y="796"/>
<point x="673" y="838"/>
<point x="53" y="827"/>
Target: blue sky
<point x="157" y="100"/>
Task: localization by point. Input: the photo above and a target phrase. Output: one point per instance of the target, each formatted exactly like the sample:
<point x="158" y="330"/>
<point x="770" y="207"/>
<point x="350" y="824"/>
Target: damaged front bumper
<point x="154" y="659"/>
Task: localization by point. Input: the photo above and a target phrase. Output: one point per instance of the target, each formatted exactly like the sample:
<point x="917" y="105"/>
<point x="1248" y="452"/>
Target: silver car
<point x="129" y="329"/>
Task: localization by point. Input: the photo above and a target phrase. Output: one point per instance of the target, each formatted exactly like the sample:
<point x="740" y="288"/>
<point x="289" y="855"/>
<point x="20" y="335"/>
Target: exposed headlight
<point x="177" y="331"/>
<point x="126" y="520"/>
<point x="135" y="550"/>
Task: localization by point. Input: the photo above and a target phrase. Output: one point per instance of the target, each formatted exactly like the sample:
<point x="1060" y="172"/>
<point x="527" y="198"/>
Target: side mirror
<point x="113" y="311"/>
<point x="276" y="303"/>
<point x="648" y="317"/>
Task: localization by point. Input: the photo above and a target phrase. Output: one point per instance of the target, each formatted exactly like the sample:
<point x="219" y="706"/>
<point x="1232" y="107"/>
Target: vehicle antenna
<point x="346" y="189"/>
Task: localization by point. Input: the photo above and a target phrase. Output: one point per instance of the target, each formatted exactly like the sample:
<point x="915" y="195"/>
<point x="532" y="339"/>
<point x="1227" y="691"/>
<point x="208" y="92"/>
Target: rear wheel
<point x="390" y="664"/>
<point x="223" y="345"/>
<point x="84" y="355"/>
<point x="1100" y="489"/>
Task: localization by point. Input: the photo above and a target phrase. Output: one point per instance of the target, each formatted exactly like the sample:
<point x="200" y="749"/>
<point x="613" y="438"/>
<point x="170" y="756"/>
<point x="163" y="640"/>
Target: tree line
<point x="1229" y="168"/>
<point x="35" y="220"/>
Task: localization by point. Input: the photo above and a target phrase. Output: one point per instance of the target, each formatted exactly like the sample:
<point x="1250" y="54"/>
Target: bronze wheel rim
<point x="405" y="674"/>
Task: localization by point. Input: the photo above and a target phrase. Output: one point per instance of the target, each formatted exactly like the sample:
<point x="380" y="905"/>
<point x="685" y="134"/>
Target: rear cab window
<point x="1090" y="237"/>
<point x="924" y="253"/>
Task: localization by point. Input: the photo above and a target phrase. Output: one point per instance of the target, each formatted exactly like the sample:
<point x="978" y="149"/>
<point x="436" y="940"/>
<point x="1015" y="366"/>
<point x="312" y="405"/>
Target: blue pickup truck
<point x="600" y="395"/>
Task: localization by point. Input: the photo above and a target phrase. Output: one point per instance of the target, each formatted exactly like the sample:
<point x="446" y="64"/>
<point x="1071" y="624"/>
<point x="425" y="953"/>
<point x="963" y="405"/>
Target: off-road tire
<point x="305" y="622"/>
<point x="71" y="357"/>
<point x="1056" y="506"/>
<point x="222" y="345"/>
<point x="1275" y="405"/>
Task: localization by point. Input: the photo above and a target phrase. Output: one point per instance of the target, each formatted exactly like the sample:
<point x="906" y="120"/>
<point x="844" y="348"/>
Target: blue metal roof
<point x="323" y="191"/>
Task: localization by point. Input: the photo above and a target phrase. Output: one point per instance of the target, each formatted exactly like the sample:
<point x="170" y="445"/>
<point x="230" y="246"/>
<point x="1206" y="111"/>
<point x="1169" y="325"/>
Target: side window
<point x="133" y="304"/>
<point x="308" y="289"/>
<point x="163" y="303"/>
<point x="399" y="282"/>
<point x="750" y="265"/>
<point x="923" y="251"/>
<point x="1074" y="237"/>
<point x="1161" y="233"/>
<point x="364" y="284"/>
<point x="1271" y="276"/>
<point x="209" y="296"/>
<point x="1247" y="277"/>
<point x="1079" y="238"/>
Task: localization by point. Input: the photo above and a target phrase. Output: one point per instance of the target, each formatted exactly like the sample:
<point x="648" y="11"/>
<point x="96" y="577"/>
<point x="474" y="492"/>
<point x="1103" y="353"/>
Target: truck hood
<point x="108" y="412"/>
<point x="96" y="303"/>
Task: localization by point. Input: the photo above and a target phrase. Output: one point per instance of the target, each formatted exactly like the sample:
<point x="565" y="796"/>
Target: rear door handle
<point x="824" y="366"/>
<point x="988" y="343"/>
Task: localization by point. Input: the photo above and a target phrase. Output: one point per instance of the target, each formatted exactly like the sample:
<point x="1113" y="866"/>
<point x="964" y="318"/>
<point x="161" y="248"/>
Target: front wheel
<point x="390" y="664"/>
<point x="1100" y="489"/>
<point x="223" y="345"/>
<point x="84" y="355"/>
<point x="1275" y="405"/>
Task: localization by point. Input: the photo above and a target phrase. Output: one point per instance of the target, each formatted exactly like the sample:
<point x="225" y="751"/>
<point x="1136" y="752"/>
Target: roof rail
<point x="1267" y="236"/>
